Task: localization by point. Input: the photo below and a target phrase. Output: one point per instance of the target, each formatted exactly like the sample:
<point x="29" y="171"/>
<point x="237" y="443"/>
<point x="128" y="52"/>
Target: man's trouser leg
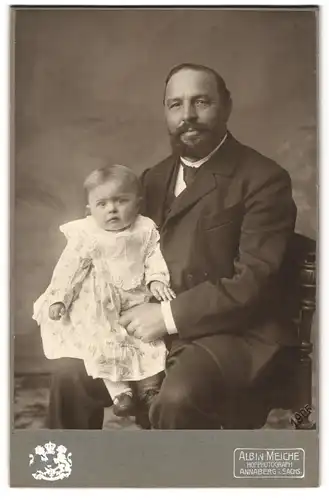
<point x="200" y="382"/>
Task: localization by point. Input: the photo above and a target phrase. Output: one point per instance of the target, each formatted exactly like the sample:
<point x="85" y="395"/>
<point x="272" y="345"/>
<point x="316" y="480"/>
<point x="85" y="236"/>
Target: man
<point x="226" y="216"/>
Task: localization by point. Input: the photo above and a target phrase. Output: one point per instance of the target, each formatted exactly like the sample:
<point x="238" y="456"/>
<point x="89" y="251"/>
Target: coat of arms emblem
<point x="52" y="462"/>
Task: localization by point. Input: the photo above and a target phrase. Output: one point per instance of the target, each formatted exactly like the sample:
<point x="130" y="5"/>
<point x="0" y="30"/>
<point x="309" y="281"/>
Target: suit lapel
<point x="213" y="174"/>
<point x="204" y="183"/>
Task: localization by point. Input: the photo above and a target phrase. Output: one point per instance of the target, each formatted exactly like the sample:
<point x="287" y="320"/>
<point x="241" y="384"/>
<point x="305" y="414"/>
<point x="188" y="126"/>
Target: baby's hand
<point x="161" y="291"/>
<point x="56" y="311"/>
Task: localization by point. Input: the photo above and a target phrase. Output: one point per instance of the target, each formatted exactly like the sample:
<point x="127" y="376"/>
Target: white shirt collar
<point x="198" y="163"/>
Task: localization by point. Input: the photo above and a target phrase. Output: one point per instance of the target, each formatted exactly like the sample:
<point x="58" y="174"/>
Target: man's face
<point x="195" y="114"/>
<point x="114" y="205"/>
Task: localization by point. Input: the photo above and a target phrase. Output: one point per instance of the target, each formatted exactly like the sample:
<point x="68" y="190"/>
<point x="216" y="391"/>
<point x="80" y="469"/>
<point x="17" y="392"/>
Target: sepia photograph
<point x="164" y="219"/>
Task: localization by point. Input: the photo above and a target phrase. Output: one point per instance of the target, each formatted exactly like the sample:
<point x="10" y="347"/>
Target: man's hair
<point x="223" y="91"/>
<point x="104" y="174"/>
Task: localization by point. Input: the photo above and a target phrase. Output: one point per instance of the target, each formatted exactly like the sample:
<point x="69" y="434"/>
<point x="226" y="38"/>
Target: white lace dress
<point x="99" y="274"/>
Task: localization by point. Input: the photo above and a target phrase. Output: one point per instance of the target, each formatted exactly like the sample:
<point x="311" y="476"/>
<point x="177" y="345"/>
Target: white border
<point x="142" y="494"/>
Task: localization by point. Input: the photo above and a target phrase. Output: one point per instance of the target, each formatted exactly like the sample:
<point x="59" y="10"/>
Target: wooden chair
<point x="304" y="256"/>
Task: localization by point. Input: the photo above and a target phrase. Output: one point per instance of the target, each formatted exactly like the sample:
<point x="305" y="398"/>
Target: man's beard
<point x="197" y="146"/>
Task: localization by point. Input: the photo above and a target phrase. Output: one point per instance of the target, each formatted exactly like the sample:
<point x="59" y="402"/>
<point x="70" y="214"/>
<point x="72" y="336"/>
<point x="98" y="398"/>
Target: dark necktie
<point x="189" y="174"/>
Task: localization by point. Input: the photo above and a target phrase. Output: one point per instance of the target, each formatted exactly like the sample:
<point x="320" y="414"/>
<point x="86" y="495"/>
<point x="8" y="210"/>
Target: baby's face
<point x="114" y="205"/>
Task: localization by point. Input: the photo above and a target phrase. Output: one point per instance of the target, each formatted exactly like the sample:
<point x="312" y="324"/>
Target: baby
<point x="112" y="262"/>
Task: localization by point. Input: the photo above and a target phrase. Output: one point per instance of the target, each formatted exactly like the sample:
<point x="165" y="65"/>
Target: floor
<point x="31" y="400"/>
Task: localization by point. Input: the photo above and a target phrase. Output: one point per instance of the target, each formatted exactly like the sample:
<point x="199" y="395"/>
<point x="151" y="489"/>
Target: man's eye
<point x="174" y="105"/>
<point x="202" y="102"/>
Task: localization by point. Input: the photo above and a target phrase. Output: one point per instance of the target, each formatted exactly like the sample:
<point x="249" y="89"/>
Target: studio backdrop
<point x="89" y="87"/>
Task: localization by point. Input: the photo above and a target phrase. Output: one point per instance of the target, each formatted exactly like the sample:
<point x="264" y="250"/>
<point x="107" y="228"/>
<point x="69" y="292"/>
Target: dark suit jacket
<point x="224" y="240"/>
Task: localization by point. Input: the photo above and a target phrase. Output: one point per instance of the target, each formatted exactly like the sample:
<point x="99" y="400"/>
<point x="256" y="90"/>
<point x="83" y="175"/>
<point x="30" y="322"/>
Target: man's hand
<point x="144" y="321"/>
<point x="56" y="311"/>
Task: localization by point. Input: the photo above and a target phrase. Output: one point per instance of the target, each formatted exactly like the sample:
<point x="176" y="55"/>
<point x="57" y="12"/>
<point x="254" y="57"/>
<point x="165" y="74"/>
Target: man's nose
<point x="189" y="112"/>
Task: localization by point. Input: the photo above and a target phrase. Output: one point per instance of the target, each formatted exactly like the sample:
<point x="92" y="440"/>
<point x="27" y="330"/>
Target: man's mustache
<point x="186" y="127"/>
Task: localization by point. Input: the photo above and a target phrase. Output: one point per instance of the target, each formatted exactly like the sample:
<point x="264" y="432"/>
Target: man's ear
<point x="87" y="210"/>
<point x="229" y="107"/>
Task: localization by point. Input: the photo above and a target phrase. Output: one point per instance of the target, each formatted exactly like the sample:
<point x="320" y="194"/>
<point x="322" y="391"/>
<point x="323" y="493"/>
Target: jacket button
<point x="190" y="276"/>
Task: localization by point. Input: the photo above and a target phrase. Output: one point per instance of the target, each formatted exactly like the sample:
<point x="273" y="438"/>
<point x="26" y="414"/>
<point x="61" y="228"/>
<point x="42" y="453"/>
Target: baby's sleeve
<point x="155" y="265"/>
<point x="72" y="267"/>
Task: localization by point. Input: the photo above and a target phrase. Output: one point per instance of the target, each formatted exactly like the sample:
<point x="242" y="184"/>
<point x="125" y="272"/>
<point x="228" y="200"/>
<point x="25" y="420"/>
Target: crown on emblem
<point x="50" y="448"/>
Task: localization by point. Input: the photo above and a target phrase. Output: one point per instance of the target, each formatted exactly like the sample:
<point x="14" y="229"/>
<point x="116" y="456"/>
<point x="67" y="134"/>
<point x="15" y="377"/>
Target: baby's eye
<point x="101" y="204"/>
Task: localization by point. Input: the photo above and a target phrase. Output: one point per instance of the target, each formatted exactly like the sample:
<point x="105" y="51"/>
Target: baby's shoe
<point x="123" y="404"/>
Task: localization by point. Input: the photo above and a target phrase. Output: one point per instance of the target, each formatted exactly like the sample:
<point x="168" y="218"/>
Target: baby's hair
<point x="101" y="175"/>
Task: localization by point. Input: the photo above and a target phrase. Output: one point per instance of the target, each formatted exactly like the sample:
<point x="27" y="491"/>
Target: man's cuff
<point x="168" y="317"/>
